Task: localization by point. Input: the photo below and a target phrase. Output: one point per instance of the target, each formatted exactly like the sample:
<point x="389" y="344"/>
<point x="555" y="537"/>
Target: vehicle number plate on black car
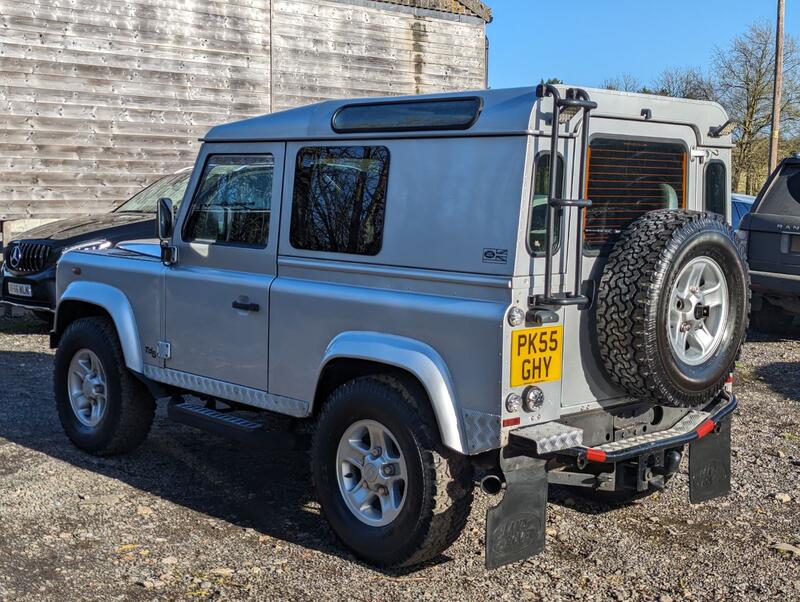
<point x="19" y="290"/>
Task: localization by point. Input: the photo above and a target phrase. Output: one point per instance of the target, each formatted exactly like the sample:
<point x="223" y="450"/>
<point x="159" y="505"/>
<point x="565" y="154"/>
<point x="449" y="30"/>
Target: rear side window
<point x="233" y="201"/>
<point x="783" y="197"/>
<point x="541" y="187"/>
<point x="716" y="187"/>
<point x="340" y="199"/>
<point x="626" y="179"/>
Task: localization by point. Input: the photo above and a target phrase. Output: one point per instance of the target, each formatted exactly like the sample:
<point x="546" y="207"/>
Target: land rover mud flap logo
<point x="712" y="476"/>
<point x="514" y="535"/>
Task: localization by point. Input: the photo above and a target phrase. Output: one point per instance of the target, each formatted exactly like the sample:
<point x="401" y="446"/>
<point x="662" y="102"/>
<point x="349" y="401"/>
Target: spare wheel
<point x="672" y="307"/>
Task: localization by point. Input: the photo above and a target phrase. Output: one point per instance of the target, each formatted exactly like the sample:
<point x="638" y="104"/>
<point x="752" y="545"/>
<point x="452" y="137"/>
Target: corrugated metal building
<point x="100" y="97"/>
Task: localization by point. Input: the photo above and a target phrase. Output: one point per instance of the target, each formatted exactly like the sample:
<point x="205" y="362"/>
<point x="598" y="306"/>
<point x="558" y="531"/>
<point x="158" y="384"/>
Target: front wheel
<point x="388" y="490"/>
<point x="103" y="408"/>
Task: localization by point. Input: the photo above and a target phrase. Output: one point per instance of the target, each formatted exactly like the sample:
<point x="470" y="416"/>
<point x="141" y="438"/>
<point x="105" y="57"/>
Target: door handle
<point x="245" y="306"/>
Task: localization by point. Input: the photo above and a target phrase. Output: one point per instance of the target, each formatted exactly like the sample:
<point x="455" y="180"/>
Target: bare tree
<point x="743" y="74"/>
<point x="684" y="82"/>
<point x="624" y="83"/>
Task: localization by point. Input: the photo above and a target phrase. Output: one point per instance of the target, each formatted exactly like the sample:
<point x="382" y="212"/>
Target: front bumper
<point x="43" y="289"/>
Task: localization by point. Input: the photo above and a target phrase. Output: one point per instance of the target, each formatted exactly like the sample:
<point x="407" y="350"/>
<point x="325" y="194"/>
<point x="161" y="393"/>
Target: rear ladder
<point x="564" y="109"/>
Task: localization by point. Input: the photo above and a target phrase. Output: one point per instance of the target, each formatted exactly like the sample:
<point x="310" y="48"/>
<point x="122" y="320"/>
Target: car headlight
<point x="89" y="245"/>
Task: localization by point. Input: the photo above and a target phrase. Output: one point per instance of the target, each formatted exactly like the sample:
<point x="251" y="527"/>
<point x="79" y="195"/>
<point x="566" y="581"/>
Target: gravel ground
<point x="189" y="515"/>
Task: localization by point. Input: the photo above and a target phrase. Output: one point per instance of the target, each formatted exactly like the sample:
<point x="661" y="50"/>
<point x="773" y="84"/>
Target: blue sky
<point x="593" y="40"/>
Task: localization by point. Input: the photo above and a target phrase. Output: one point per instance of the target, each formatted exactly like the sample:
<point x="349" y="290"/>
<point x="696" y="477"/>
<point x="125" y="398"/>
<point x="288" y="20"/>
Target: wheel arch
<point x="82" y="299"/>
<point x="355" y="353"/>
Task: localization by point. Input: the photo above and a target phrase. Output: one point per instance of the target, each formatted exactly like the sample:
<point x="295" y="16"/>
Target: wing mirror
<point x="166" y="219"/>
<point x="165" y="224"/>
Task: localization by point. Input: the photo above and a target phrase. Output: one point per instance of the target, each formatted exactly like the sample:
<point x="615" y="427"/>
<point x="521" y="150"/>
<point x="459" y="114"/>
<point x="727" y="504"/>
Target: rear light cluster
<point x="531" y="399"/>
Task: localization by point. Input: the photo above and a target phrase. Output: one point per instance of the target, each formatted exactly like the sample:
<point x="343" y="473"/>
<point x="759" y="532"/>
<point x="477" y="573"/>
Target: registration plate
<point x="536" y="355"/>
<point x="19" y="290"/>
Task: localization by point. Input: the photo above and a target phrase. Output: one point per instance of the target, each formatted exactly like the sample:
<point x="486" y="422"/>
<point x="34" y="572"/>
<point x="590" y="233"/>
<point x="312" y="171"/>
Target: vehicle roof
<point x="742" y="198"/>
<point x="512" y="110"/>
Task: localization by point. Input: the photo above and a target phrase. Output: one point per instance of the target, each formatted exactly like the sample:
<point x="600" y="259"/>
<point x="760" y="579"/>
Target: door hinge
<point x="164" y="350"/>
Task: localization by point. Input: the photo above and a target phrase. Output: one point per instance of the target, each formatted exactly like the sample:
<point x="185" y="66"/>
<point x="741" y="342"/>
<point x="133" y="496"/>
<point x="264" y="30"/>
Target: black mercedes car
<point x="772" y="232"/>
<point x="29" y="266"/>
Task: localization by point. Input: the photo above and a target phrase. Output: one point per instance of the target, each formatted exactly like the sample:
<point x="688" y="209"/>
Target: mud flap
<point x="515" y="528"/>
<point x="710" y="465"/>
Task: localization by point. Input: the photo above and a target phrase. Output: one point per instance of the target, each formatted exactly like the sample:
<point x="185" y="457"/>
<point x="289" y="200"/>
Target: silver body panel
<point x="427" y="303"/>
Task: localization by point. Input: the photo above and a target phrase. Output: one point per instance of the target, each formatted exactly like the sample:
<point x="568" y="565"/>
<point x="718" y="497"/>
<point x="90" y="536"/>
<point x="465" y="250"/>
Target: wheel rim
<point x="371" y="472"/>
<point x="87" y="388"/>
<point x="698" y="311"/>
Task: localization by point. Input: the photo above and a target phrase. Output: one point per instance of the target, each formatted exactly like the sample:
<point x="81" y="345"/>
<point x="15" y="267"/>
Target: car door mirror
<point x="165" y="220"/>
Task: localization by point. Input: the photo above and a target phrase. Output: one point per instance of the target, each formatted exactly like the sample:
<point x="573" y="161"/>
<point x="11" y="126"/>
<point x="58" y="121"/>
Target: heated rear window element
<point x="783" y="197"/>
<point x="340" y="199"/>
<point x="626" y="179"/>
<point x="415" y="115"/>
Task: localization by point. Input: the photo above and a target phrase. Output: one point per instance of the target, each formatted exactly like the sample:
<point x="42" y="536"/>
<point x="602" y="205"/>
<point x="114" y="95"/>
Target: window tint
<point x="716" y="187"/>
<point x="171" y="187"/>
<point x="627" y="179"/>
<point x="541" y="187"/>
<point x="340" y="199"/>
<point x="783" y="197"/>
<point x="233" y="202"/>
<point x="458" y="114"/>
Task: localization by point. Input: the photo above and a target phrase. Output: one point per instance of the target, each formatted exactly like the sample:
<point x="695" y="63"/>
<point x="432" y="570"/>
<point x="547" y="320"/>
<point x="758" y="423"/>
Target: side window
<point x="541" y="186"/>
<point x="340" y="199"/>
<point x="628" y="178"/>
<point x="233" y="202"/>
<point x="716" y="188"/>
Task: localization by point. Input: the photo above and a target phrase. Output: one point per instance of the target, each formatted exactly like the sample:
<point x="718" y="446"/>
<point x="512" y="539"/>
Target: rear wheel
<point x="103" y="408"/>
<point x="672" y="307"/>
<point x="388" y="489"/>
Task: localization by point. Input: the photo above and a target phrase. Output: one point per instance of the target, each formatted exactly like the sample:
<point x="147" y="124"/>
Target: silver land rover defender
<point x="511" y="288"/>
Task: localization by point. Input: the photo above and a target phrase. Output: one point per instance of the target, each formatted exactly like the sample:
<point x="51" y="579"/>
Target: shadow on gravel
<point x="268" y="492"/>
<point x="14" y="326"/>
<point x="782" y="377"/>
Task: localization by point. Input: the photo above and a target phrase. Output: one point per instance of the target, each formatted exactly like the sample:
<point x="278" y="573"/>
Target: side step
<point x="235" y="428"/>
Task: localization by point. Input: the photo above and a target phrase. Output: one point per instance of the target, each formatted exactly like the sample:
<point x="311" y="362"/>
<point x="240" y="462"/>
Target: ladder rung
<point x="562" y="300"/>
<point x="570" y="203"/>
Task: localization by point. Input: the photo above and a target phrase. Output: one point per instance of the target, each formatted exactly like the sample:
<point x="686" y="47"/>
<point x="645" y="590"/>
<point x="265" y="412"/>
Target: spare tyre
<point x="672" y="307"/>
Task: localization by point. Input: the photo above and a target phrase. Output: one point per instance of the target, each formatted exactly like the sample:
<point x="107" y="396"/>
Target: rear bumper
<point x="694" y="426"/>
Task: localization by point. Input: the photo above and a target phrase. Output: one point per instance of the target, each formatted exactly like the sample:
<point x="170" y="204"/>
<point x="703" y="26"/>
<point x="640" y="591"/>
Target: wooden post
<point x="777" y="91"/>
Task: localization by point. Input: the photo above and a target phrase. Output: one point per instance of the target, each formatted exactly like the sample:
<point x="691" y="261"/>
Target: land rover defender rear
<point x="511" y="288"/>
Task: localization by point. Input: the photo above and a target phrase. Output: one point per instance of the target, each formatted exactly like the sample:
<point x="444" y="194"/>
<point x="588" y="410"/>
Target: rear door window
<point x="783" y="197"/>
<point x="626" y="179"/>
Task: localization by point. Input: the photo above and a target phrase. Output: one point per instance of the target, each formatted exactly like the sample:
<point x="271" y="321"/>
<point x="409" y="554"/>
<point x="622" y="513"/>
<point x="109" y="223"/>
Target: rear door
<point x="217" y="294"/>
<point x="774" y="224"/>
<point x="633" y="167"/>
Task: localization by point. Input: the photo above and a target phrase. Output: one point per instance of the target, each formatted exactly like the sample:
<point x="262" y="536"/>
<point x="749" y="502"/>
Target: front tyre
<point x="388" y="489"/>
<point x="103" y="408"/>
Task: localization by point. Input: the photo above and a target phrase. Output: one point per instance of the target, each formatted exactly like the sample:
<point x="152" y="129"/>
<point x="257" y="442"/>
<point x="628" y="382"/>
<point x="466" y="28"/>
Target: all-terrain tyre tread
<point x="137" y="406"/>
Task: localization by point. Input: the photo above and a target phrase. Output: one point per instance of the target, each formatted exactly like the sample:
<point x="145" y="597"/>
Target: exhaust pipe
<point x="491" y="484"/>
